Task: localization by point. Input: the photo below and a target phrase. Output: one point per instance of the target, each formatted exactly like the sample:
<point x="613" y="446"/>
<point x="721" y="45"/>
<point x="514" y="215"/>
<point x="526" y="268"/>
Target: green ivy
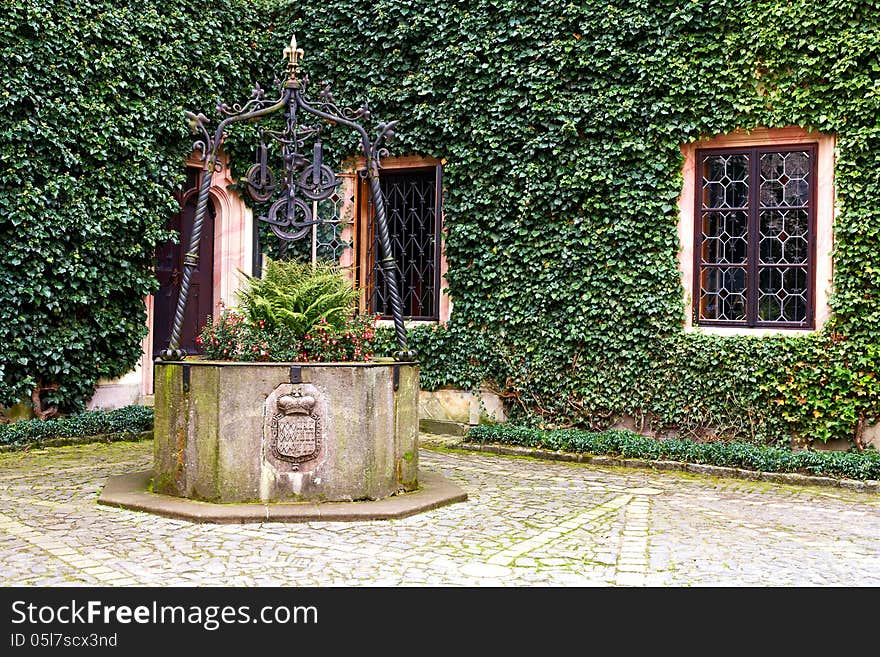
<point x="92" y="138"/>
<point x="560" y="124"/>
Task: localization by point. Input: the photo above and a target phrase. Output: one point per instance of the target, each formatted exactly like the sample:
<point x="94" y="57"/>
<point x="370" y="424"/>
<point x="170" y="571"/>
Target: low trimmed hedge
<point x="764" y="458"/>
<point x="120" y="422"/>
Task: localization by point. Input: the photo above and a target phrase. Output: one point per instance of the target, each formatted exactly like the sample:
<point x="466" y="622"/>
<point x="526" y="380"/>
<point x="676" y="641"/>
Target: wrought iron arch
<point x="290" y="216"/>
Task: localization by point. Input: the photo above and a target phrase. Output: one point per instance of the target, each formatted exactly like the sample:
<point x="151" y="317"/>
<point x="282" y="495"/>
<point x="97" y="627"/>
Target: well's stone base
<point x="283" y="432"/>
<point x="131" y="491"/>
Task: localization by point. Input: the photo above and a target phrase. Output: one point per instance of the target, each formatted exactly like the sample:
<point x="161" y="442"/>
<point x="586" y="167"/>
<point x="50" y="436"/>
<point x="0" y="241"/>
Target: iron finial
<point x="294" y="54"/>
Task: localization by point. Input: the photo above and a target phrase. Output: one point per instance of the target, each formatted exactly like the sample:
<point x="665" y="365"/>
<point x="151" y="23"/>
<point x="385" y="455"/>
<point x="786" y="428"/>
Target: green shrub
<point x="295" y="312"/>
<point x="234" y="337"/>
<point x="129" y="420"/>
<point x="749" y="456"/>
<point x="295" y="296"/>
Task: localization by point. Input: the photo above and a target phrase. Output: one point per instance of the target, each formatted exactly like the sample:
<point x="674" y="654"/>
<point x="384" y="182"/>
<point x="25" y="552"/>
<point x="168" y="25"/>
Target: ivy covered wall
<point x="91" y="146"/>
<point x="561" y="125"/>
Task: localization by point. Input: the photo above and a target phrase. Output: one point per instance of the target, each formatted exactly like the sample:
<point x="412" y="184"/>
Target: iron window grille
<point x="413" y="209"/>
<point x="755" y="236"/>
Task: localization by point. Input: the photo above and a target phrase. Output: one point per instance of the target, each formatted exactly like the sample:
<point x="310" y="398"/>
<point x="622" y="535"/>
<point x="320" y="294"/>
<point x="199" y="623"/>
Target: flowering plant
<point x="234" y="337"/>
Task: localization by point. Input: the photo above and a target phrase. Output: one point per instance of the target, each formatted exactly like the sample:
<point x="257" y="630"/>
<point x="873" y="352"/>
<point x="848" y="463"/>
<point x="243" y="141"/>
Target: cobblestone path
<point x="527" y="522"/>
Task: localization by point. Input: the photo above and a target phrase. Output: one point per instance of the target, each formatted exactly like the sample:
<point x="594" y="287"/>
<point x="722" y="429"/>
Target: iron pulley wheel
<point x="260" y="183"/>
<point x="326" y="183"/>
<point x="290" y="225"/>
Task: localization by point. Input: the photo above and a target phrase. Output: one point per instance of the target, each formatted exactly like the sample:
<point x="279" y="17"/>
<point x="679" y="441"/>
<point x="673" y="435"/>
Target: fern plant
<point x="297" y="296"/>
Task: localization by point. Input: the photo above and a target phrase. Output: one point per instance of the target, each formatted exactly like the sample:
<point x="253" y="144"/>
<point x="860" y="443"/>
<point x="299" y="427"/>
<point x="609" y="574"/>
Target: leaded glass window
<point x="755" y="236"/>
<point x="412" y="206"/>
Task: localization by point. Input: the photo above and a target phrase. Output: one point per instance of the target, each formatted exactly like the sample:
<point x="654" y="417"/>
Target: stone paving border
<point x="868" y="486"/>
<point x="130" y="491"/>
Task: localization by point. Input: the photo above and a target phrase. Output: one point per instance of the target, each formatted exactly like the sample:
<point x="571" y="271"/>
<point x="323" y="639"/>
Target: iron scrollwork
<point x="300" y="182"/>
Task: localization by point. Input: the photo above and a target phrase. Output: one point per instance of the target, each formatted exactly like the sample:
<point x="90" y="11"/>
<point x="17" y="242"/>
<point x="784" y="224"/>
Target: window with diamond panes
<point x="755" y="234"/>
<point x="412" y="208"/>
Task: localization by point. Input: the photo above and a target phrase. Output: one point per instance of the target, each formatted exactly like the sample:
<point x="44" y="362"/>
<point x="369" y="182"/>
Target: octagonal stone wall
<point x="273" y="432"/>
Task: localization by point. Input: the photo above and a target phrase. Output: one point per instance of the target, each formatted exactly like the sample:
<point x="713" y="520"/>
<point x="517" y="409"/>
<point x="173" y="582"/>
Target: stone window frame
<point x="825" y="212"/>
<point x="360" y="234"/>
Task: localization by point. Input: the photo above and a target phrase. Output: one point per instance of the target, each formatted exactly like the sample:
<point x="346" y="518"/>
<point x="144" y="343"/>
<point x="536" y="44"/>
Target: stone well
<point x="281" y="432"/>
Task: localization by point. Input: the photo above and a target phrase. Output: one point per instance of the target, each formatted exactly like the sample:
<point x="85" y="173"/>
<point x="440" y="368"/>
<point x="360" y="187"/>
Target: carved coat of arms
<point x="295" y="428"/>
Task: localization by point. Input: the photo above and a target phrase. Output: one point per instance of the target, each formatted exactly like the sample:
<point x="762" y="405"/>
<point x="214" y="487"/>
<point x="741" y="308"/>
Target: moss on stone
<point x="164" y="484"/>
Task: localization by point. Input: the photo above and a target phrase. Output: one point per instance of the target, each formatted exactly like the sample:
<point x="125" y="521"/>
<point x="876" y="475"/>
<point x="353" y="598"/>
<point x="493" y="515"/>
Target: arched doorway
<point x="169" y="269"/>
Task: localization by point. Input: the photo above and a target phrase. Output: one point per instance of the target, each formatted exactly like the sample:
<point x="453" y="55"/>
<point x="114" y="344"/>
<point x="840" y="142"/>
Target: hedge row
<point x="129" y="420"/>
<point x="763" y="458"/>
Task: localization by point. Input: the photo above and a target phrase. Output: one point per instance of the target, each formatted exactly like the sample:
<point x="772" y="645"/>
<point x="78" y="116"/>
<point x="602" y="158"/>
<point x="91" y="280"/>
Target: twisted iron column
<point x="389" y="267"/>
<point x="190" y="262"/>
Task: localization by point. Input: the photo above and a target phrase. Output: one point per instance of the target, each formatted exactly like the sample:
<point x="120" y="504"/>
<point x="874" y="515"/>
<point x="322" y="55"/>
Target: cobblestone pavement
<point x="526" y="523"/>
